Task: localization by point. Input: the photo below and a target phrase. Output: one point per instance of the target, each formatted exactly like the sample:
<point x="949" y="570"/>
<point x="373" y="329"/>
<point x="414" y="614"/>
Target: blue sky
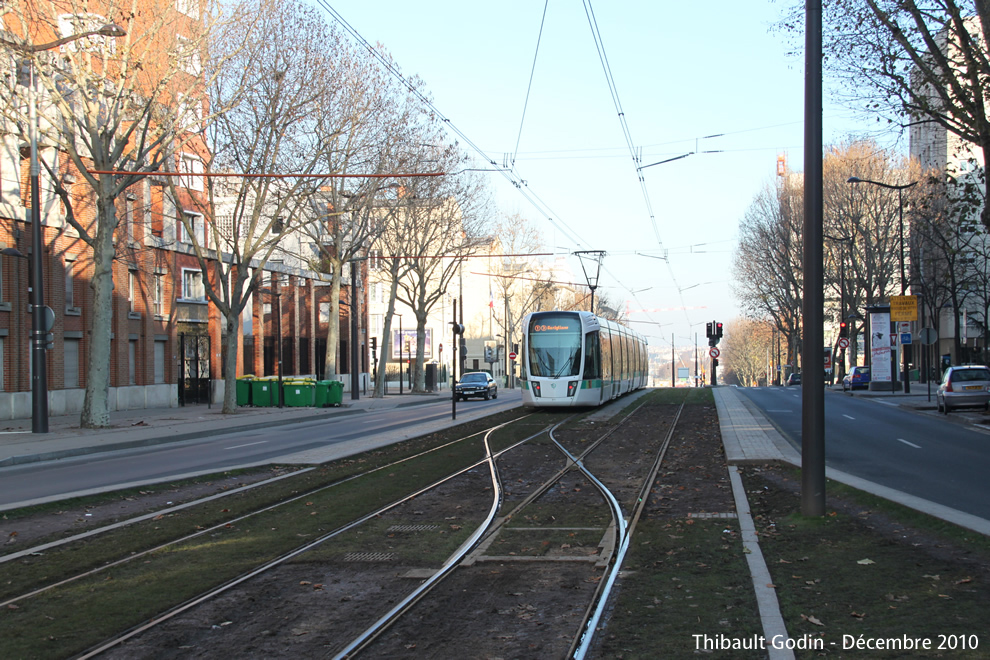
<point x="682" y="71"/>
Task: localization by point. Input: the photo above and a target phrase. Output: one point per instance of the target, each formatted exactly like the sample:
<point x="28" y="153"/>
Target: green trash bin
<point x="262" y="391"/>
<point x="244" y="390"/>
<point x="321" y="393"/>
<point x="298" y="393"/>
<point x="335" y="393"/>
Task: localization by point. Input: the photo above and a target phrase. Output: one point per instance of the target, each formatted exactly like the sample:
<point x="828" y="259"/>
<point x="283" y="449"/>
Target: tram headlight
<point x="572" y="387"/>
<point x="536" y="388"/>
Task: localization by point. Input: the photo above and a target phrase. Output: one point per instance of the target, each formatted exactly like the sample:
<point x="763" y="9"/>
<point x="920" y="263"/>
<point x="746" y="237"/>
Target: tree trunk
<point x="96" y="410"/>
<point x="419" y="373"/>
<point x="230" y="363"/>
<point x="333" y="331"/>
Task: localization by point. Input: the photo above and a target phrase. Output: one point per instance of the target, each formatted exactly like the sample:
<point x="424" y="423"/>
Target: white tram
<point x="578" y="359"/>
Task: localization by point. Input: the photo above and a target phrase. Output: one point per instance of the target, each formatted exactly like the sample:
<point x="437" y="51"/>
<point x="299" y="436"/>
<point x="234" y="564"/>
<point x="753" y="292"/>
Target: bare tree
<point x="519" y="285"/>
<point x="747" y="347"/>
<point x="913" y="63"/>
<point x="367" y="131"/>
<point x="440" y="221"/>
<point x="768" y="261"/>
<point x="110" y="107"/>
<point x="288" y="68"/>
<point x="863" y="236"/>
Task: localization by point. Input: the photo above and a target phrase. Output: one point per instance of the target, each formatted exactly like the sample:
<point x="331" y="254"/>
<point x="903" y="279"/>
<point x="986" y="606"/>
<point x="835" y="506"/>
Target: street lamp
<point x="900" y="233"/>
<point x="40" y="313"/>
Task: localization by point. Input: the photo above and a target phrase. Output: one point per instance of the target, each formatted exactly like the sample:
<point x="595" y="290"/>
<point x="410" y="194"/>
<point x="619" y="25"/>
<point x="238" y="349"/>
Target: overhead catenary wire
<point x="520" y="185"/>
<point x="529" y="87"/>
<point x="613" y="90"/>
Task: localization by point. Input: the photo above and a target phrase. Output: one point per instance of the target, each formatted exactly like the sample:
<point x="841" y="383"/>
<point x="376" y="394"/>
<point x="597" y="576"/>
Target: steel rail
<point x="583" y="642"/>
<point x="202" y="598"/>
<point x="186" y="505"/>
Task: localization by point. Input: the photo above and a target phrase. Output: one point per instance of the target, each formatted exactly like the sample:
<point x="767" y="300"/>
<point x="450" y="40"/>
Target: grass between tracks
<point x="68" y="619"/>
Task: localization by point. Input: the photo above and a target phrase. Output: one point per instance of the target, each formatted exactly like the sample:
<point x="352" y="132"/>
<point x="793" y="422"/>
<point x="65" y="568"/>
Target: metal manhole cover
<point x="369" y="556"/>
<point x="412" y="528"/>
<point x="708" y="516"/>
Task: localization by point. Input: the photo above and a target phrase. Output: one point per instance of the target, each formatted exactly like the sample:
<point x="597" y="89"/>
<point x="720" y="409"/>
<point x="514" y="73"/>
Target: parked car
<point x="967" y="385"/>
<point x="794" y="379"/>
<point x="857" y="377"/>
<point x="479" y="384"/>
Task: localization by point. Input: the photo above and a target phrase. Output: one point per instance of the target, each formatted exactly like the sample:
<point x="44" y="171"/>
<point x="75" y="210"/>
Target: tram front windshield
<point x="555" y="346"/>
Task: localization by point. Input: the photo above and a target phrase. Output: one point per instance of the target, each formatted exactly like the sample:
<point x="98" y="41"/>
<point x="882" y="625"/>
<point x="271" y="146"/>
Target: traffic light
<point x="843" y="329"/>
<point x="374" y="343"/>
<point x="708" y="330"/>
<point x="718" y="330"/>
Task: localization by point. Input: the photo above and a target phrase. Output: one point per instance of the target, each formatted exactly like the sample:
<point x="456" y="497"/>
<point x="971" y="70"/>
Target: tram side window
<point x="606" y="346"/>
<point x="592" y="356"/>
<point x="623" y="366"/>
<point x="523" y="362"/>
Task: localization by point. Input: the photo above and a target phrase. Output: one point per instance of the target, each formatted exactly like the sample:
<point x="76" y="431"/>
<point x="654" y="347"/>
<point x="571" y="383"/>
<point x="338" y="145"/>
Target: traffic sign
<point x="713" y="351"/>
<point x="843" y="342"/>
<point x="928" y="336"/>
<point x="905" y="338"/>
<point x="512" y="355"/>
<point x="904" y="308"/>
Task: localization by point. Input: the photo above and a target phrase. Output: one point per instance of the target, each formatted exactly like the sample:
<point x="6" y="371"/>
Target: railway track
<point x="485" y="545"/>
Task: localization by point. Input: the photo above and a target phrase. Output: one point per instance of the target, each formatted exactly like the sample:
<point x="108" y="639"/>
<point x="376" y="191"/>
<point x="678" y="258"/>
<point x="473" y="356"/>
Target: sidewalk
<point x="151" y="426"/>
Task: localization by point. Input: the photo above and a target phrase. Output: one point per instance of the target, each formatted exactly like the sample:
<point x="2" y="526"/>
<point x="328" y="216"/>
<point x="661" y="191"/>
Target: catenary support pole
<point x="812" y="354"/>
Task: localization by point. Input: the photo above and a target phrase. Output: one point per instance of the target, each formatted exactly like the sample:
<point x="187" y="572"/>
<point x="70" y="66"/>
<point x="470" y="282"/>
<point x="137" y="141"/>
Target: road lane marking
<point x="848" y="417"/>
<point x="250" y="444"/>
<point x="888" y="403"/>
<point x="779" y="411"/>
<point x="909" y="444"/>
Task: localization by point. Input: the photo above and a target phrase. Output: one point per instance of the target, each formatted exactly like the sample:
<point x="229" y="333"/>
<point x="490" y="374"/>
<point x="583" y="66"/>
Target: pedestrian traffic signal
<point x="843" y="329"/>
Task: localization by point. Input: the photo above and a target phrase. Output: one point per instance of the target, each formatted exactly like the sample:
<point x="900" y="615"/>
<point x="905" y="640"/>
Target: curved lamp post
<point x="39" y="370"/>
<point x="900" y="234"/>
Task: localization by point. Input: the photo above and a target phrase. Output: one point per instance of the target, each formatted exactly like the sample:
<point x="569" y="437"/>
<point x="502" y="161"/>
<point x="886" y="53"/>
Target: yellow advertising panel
<point x="904" y="308"/>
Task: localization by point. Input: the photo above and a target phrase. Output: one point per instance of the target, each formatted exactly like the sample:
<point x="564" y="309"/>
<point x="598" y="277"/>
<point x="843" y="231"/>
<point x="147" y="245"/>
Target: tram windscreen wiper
<point x="568" y="365"/>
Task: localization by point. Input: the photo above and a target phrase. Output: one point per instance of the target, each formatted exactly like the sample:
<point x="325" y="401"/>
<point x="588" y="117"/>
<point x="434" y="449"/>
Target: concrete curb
<point x="84" y="450"/>
<point x="766" y="597"/>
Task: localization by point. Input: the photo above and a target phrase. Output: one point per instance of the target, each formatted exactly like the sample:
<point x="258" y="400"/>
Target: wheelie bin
<point x="244" y="390"/>
<point x="298" y="393"/>
<point x="262" y="391"/>
<point x="335" y="393"/>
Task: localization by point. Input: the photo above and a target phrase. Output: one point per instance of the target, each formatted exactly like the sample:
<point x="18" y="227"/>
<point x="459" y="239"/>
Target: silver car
<point x="964" y="386"/>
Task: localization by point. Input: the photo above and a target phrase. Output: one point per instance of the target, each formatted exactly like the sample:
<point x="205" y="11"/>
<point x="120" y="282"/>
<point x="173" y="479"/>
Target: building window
<point x="70" y="349"/>
<point x="158" y="294"/>
<point x="190" y="165"/>
<point x="70" y="283"/>
<point x="188" y="7"/>
<point x="198" y="229"/>
<point x="192" y="285"/>
<point x="188" y="56"/>
<point x="132" y="361"/>
<point x="71" y="24"/>
<point x="374" y="259"/>
<point x="131" y="290"/>
<point x="159" y="362"/>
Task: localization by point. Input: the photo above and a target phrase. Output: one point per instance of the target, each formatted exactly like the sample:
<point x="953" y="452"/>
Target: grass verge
<point x="870" y="571"/>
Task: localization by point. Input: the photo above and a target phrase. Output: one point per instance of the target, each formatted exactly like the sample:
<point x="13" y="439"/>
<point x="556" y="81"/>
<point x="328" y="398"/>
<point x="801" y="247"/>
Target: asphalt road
<point x="917" y="452"/>
<point x="348" y="434"/>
